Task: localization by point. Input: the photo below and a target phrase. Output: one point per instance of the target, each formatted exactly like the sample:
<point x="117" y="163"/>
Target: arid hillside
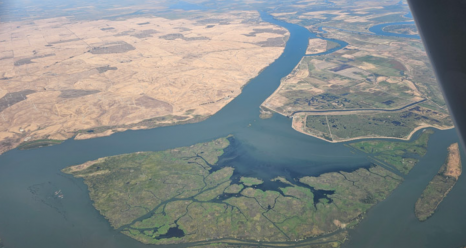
<point x="61" y="77"/>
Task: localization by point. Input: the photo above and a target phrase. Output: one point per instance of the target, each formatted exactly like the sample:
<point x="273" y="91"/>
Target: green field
<point x="250" y="181"/>
<point x="331" y="45"/>
<point x="389" y="18"/>
<point x="343" y="85"/>
<point x="401" y="155"/>
<point x="373" y="73"/>
<point x="182" y="196"/>
<point x="401" y="29"/>
<point x="384" y="66"/>
<point x="395" y="124"/>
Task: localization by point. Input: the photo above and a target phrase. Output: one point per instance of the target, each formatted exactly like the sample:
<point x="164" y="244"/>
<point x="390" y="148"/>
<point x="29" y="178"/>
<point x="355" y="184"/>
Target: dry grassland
<point x="59" y="76"/>
<point x="316" y="46"/>
<point x="454" y="162"/>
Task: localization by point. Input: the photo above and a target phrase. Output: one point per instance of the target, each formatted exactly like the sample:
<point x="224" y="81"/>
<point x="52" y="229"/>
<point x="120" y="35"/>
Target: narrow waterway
<point x="378" y="30"/>
<point x="32" y="216"/>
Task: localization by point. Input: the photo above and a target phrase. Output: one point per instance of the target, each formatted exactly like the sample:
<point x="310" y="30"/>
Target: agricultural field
<point x="402" y="29"/>
<point x="376" y="86"/>
<point x="357" y="17"/>
<point x="184" y="195"/>
<point x="324" y="85"/>
<point x="344" y="127"/>
<point x="317" y="46"/>
<point x="353" y="79"/>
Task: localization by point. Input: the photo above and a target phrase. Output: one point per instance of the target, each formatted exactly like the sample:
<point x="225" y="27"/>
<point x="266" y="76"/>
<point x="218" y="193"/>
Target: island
<point x="439" y="187"/>
<point x="250" y="181"/>
<point x="188" y="195"/>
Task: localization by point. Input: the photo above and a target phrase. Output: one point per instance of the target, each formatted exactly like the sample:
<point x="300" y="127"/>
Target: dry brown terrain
<point x="454" y="162"/>
<point x="316" y="46"/>
<point x="59" y="76"/>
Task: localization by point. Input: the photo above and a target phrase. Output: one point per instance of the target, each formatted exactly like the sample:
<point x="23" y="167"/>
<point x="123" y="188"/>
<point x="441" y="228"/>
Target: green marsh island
<point x="440" y="185"/>
<point x="402" y="156"/>
<point x="190" y="196"/>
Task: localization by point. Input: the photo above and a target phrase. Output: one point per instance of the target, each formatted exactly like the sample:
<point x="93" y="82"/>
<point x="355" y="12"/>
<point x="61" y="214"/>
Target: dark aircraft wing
<point x="442" y="26"/>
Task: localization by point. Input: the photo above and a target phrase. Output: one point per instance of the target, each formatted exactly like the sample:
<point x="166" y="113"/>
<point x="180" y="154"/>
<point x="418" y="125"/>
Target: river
<point x="30" y="215"/>
<point x="378" y="29"/>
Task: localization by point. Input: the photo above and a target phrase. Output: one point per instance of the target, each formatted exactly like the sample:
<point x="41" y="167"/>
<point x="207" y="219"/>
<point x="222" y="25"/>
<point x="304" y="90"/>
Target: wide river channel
<point x="31" y="217"/>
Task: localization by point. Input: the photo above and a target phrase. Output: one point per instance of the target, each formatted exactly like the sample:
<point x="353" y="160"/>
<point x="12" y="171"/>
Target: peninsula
<point x="375" y="87"/>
